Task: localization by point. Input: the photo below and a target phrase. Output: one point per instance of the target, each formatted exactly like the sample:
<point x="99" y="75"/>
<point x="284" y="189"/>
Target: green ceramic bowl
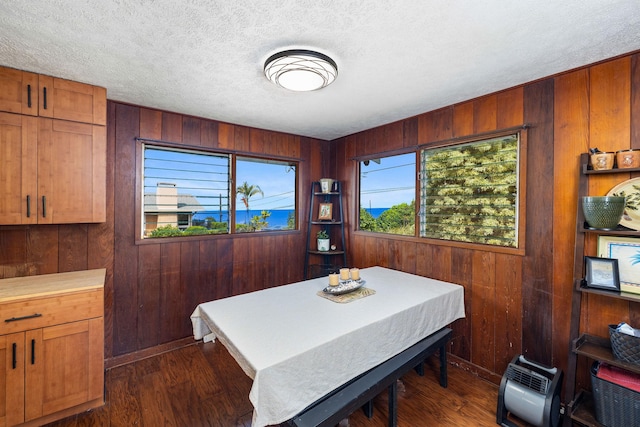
<point x="603" y="212"/>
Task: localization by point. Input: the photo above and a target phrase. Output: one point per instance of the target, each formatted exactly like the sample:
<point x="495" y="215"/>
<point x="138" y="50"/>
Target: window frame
<point x="519" y="208"/>
<point x="522" y="187"/>
<point x="386" y="154"/>
<point x="139" y="187"/>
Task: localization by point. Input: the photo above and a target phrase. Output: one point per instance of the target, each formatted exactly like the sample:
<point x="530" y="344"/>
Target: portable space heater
<point x="531" y="392"/>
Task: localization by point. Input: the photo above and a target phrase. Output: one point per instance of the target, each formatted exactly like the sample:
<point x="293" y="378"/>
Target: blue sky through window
<point x="387" y="181"/>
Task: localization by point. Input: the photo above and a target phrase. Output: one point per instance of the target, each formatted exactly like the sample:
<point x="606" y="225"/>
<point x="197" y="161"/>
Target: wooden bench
<point x="359" y="392"/>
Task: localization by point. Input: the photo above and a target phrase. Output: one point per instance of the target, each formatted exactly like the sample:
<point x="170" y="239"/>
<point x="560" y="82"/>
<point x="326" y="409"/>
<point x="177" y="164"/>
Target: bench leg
<point x="420" y="369"/>
<point x="443" y="367"/>
<point x="367" y="408"/>
<point x="393" y="404"/>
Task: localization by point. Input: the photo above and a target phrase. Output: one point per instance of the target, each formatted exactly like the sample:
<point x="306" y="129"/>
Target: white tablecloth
<point x="298" y="346"/>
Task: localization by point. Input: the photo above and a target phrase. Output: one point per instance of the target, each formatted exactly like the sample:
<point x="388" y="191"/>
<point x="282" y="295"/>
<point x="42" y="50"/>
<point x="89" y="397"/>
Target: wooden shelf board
<point x="326" y="252"/>
<point x="628" y="296"/>
<point x="598" y="348"/>
<point x="584" y="411"/>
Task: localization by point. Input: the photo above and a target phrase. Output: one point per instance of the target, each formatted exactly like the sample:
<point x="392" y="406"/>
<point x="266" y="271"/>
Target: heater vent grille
<point x="529" y="379"/>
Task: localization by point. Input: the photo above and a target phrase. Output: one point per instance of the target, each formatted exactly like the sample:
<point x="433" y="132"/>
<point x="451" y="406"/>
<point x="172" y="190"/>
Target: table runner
<point x="298" y="347"/>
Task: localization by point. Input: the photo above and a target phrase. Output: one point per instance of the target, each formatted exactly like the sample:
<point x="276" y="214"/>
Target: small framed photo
<point x="602" y="273"/>
<point x="325" y="211"/>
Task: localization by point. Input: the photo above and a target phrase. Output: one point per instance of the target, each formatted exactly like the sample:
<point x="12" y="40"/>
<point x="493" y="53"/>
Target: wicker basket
<point x="625" y="347"/>
<point x="615" y="405"/>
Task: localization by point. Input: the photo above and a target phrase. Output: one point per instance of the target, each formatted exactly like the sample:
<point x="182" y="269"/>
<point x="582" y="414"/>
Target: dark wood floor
<point x="201" y="385"/>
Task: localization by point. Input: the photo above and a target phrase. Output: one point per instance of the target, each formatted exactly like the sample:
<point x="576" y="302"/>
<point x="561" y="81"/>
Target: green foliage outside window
<point x="469" y="192"/>
<point x="398" y="219"/>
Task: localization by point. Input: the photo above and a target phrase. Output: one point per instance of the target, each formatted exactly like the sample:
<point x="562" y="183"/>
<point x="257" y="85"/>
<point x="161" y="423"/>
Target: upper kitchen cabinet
<point x="67" y="100"/>
<point x="18" y="173"/>
<point x="18" y="91"/>
<point x="52" y="150"/>
<point x="71" y="172"/>
<point x="45" y="96"/>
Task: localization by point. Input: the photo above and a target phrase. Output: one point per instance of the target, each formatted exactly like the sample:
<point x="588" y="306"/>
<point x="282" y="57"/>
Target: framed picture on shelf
<point x="602" y="273"/>
<point x="627" y="251"/>
<point x="325" y="212"/>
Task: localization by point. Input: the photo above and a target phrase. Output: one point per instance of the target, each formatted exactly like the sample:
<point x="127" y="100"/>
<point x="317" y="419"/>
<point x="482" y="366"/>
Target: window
<point x="387" y="194"/>
<point x="188" y="192"/>
<point x="265" y="195"/>
<point x="469" y="192"/>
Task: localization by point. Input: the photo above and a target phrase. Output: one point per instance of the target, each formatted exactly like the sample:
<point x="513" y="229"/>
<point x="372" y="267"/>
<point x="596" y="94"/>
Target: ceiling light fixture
<point x="300" y="70"/>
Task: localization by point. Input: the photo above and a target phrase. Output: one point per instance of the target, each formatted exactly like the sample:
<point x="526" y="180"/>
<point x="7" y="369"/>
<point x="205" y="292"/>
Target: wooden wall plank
<point x="463" y="119"/>
<point x="190" y="285"/>
<point x="435" y="126"/>
<point x="462" y="259"/>
<point x="537" y="272"/>
<point x="571" y="135"/>
<point x="483" y="308"/>
<point x="510" y="108"/>
<point x="209" y="134"/>
<point x="485" y="111"/>
<point x="41" y="250"/>
<point x="508" y="313"/>
<point x="125" y="272"/>
<point x="191" y="132"/>
<point x="150" y="123"/>
<point x="72" y="247"/>
<point x="172" y="127"/>
<point x="149" y="290"/>
<point x="171" y="295"/>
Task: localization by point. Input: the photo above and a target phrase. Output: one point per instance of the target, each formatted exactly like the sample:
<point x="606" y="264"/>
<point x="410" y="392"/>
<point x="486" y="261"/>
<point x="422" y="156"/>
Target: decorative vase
<point x="603" y="212"/>
<point x="628" y="158"/>
<point x="326" y="184"/>
<point x="323" y="245"/>
<point x="602" y="161"/>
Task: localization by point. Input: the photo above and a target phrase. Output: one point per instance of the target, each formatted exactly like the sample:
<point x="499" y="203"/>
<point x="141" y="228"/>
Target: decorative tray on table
<point x="344" y="287"/>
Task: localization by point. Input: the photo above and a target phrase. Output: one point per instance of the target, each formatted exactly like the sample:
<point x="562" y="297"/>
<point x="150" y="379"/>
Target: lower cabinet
<point x="54" y="370"/>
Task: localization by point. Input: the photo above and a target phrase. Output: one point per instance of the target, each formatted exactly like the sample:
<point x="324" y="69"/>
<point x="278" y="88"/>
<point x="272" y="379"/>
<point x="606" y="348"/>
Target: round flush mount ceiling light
<point x="300" y="70"/>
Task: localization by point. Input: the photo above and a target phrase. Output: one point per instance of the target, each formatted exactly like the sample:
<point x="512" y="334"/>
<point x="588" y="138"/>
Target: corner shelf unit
<point x="321" y="263"/>
<point x="580" y="407"/>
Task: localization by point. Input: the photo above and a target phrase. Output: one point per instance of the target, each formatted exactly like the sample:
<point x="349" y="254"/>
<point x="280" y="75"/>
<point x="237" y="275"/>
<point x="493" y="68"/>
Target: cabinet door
<point x="11" y="379"/>
<point x="64" y="367"/>
<point x="18" y="170"/>
<point x="18" y="91"/>
<point x="71" y="172"/>
<point x="69" y="100"/>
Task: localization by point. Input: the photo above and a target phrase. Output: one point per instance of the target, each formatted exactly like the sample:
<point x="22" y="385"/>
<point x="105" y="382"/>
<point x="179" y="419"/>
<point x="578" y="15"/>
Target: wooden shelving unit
<point x="318" y="263"/>
<point x="581" y="409"/>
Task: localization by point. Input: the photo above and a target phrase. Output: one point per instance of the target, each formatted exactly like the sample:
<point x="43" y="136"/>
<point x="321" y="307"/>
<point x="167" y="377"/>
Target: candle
<point x="333" y="279"/>
<point x="355" y="274"/>
<point x="344" y="274"/>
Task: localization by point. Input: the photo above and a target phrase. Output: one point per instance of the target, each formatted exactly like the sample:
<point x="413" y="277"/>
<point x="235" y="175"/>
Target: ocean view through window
<point x="190" y="192"/>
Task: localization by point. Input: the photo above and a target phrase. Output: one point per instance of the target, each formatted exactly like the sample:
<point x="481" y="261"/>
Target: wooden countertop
<point x="18" y="288"/>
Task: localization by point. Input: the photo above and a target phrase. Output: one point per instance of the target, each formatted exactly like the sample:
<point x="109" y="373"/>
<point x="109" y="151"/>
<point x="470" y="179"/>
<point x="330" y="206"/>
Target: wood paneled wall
<point x="152" y="288"/>
<point x="514" y="304"/>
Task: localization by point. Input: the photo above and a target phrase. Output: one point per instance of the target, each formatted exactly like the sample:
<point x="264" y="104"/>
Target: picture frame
<point x="325" y="211"/>
<point x="627" y="251"/>
<point x="602" y="273"/>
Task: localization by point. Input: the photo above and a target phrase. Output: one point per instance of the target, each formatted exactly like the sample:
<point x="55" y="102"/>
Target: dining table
<point x="298" y="343"/>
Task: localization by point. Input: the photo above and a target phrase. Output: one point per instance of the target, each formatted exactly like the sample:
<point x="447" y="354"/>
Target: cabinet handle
<point x="44" y="100"/>
<point x="33" y="352"/>
<point x="28" y="206"/>
<point x="15" y="319"/>
<point x="29" y="96"/>
<point x="14" y="359"/>
<point x="44" y="206"/>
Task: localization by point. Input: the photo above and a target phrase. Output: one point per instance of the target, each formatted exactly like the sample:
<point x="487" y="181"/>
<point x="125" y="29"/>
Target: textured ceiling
<point x="396" y="58"/>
